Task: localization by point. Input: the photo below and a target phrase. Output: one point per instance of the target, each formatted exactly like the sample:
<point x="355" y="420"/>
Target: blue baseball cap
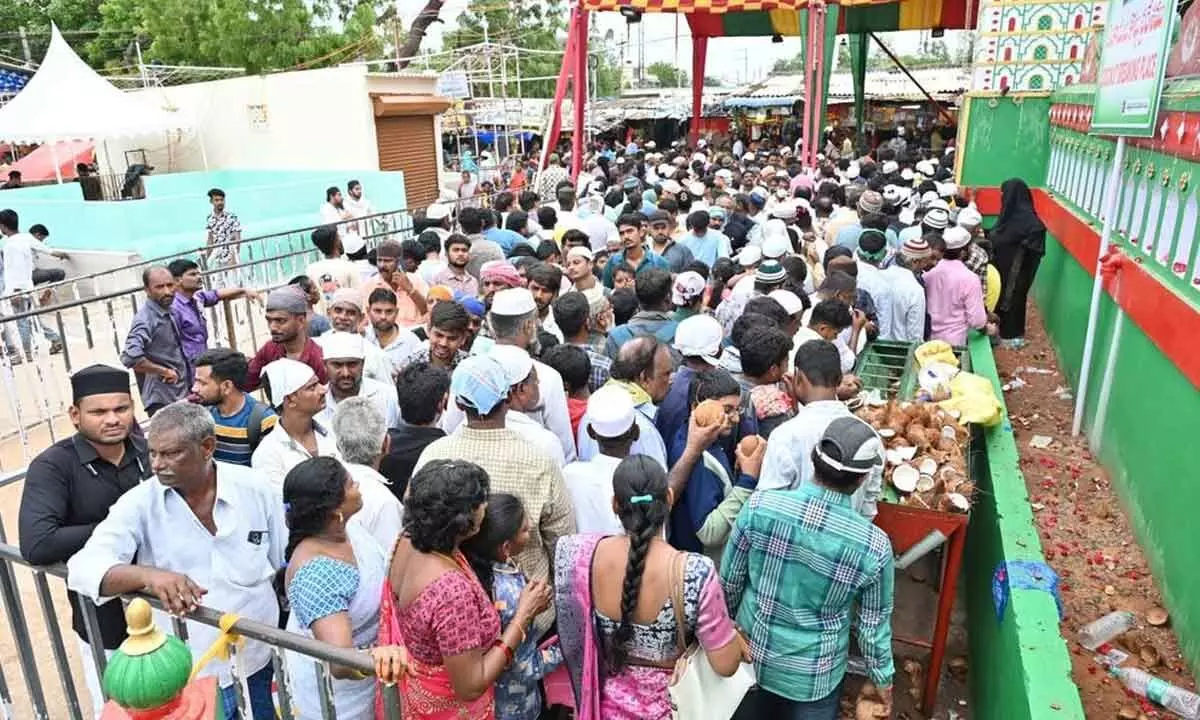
<point x="479" y="382"/>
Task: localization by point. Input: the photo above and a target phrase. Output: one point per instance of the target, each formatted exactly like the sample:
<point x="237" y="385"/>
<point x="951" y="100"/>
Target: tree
<point x="258" y="35"/>
<point x="416" y="33"/>
<point x="667" y="75"/>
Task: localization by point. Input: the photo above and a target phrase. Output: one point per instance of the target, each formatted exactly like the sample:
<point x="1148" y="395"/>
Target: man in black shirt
<point x="70" y="486"/>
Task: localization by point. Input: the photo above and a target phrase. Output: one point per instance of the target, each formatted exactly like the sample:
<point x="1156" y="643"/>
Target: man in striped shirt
<point x="241" y="419"/>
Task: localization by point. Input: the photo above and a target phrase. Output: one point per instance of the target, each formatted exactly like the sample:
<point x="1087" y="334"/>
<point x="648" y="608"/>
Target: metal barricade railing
<point x="44" y="707"/>
<point x="36" y="384"/>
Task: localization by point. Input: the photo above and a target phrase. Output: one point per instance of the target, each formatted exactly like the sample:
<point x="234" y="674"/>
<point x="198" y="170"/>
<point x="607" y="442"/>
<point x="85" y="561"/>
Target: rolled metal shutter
<point x="407" y="143"/>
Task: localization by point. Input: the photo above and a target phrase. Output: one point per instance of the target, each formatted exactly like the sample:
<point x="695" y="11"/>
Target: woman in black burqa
<point x="1019" y="242"/>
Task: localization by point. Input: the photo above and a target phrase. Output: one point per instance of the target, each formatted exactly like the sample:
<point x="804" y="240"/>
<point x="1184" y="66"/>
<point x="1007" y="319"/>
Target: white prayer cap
<point x="925" y="168"/>
<point x="342" y="346"/>
<point x="749" y="255"/>
<point x="906" y="175"/>
<point x="788" y="299"/>
<point x="610" y="412"/>
<point x="437" y="211"/>
<point x="286" y="376"/>
<point x="890" y="167"/>
<point x="672" y="187"/>
<point x="516" y="362"/>
<point x="956" y="237"/>
<point x="696" y="188"/>
<point x="513" y="302"/>
<point x="852" y="171"/>
<point x="969" y="217"/>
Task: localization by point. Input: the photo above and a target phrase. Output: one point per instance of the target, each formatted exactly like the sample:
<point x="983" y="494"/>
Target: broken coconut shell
<point x="905" y="477"/>
<point x="1157" y="617"/>
<point x="898" y="455"/>
<point x="887" y="433"/>
<point x="1150" y="656"/>
<point x="925" y="483"/>
<point x="869" y="710"/>
<point x="954" y="502"/>
<point x="1129" y="712"/>
<point x="927" y="466"/>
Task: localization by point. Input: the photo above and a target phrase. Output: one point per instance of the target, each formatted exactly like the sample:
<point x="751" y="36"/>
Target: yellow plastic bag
<point x="972" y="396"/>
<point x="935" y="351"/>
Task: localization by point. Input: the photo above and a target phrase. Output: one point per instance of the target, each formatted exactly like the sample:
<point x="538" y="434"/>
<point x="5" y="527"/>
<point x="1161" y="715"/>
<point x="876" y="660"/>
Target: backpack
<point x="254" y="424"/>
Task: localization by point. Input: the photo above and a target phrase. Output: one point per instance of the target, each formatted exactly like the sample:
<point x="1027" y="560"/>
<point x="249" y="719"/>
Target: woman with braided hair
<point x="334" y="576"/>
<point x="615" y="597"/>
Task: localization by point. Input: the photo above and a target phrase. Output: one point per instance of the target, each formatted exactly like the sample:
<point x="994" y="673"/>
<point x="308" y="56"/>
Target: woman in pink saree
<point x="616" y="617"/>
<point x="435" y="607"/>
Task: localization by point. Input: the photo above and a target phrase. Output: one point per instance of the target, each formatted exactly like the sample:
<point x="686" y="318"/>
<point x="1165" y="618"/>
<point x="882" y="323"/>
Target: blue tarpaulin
<point x="762" y="102"/>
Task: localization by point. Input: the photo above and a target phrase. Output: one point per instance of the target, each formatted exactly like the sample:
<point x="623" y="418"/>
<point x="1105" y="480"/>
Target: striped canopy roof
<point x="741" y="18"/>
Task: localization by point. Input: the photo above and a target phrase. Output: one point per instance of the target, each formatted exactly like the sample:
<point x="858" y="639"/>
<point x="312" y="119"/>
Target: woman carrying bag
<point x="619" y="618"/>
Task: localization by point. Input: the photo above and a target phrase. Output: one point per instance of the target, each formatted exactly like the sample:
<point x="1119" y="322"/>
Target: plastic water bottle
<point x="1098" y="632"/>
<point x="1179" y="701"/>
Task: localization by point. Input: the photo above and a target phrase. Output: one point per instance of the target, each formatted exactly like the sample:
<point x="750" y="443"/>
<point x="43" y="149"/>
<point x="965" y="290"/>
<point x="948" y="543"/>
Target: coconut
<point x="927" y="466"/>
<point x="956" y="502"/>
<point x="1157" y="617"/>
<point x="708" y="413"/>
<point x="898" y="455"/>
<point x="915" y="433"/>
<point x="887" y="433"/>
<point x="905" y="477"/>
<point x="925" y="483"/>
<point x="869" y="710"/>
<point x="749" y="445"/>
<point x="949" y="432"/>
<point x="1150" y="656"/>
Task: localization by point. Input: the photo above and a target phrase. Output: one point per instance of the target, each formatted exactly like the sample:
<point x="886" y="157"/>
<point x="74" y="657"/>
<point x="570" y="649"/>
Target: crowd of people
<point x="553" y="440"/>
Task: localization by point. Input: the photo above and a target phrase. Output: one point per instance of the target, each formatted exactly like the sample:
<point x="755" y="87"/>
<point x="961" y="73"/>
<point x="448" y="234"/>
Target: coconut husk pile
<point x="924" y="452"/>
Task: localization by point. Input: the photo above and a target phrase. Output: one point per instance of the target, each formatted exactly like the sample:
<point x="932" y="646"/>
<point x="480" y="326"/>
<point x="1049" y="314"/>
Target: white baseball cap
<point x="610" y="412"/>
<point x="700" y="336"/>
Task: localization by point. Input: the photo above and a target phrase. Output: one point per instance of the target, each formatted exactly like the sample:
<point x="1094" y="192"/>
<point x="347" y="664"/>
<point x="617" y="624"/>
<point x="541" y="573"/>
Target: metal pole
<point x="937" y="105"/>
<point x="1110" y="211"/>
<point x="1106" y="383"/>
<point x="137" y="44"/>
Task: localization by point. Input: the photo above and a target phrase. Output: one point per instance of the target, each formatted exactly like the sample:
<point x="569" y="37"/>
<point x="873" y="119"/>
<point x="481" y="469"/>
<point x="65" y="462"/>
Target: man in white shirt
<point x="524" y="396"/>
<point x="18" y="265"/>
<point x="362" y="439"/>
<point x="344" y="366"/>
<point x="612" y="423"/>
<point x="199" y="530"/>
<point x="335" y="271"/>
<point x="358" y="207"/>
<point x="788" y="462"/>
<point x="334" y="210"/>
<point x="345" y="315"/>
<point x="297" y="396"/>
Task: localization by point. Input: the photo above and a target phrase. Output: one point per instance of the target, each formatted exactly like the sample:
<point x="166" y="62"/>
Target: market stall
<point x="925" y="403"/>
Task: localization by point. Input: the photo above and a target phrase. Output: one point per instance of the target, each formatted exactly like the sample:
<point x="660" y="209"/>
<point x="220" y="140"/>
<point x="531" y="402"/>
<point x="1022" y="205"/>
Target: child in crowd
<point x="502" y="535"/>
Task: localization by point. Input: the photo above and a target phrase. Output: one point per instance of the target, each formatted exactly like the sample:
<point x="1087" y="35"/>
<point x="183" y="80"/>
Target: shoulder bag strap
<point x="254" y="425"/>
<point x="678" y="567"/>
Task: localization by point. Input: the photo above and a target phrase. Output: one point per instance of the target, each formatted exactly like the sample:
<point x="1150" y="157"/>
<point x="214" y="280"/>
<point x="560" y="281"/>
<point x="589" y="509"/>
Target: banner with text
<point x="1137" y="36"/>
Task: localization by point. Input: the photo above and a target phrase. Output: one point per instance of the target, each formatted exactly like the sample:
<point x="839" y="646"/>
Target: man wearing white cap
<point x="345" y="315"/>
<point x="513" y="321"/>
<point x="437" y="219"/>
<point x="297" y="396"/>
<point x="953" y="294"/>
<point x="975" y="257"/>
<point x="479" y="389"/>
<point x="525" y="395"/>
<point x="611" y="423"/>
<point x="344" y="353"/>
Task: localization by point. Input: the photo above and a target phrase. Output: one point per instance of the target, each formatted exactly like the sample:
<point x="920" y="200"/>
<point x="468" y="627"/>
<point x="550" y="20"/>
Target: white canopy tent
<point x="67" y="100"/>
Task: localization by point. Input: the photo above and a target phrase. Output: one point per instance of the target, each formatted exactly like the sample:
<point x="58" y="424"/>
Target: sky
<point x="734" y="60"/>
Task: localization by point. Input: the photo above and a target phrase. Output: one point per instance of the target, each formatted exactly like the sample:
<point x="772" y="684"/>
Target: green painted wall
<point x="1020" y="666"/>
<point x="1153" y="416"/>
<point x="1004" y="137"/>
